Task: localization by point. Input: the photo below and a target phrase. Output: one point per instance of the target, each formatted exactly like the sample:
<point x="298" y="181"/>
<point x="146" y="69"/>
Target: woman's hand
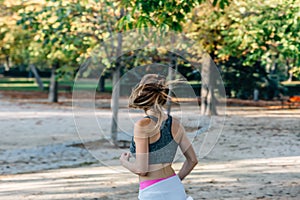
<point x="124" y="157"/>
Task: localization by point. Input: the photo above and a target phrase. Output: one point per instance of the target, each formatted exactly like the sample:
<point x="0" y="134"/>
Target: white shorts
<point x="167" y="189"/>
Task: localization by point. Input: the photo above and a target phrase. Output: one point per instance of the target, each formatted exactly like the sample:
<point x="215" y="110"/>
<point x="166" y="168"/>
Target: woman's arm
<point x="141" y="164"/>
<point x="132" y="166"/>
<point x="189" y="153"/>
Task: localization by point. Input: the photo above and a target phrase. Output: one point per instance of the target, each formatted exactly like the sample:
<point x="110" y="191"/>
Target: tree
<point x="250" y="41"/>
<point x="67" y="31"/>
<point x="166" y="15"/>
<point x="264" y="35"/>
<point x="204" y="26"/>
<point x="14" y="41"/>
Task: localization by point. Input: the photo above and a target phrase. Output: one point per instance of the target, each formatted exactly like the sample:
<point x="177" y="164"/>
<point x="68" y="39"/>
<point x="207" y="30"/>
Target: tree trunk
<point x="208" y="84"/>
<point x="115" y="105"/>
<point x="290" y="79"/>
<point x="116" y="91"/>
<point x="53" y="88"/>
<point x="101" y="86"/>
<point x="204" y="95"/>
<point x="211" y="103"/>
<point x="169" y="100"/>
<point x="7" y="63"/>
<point x="289" y="72"/>
<point x="37" y="76"/>
<point x="172" y="75"/>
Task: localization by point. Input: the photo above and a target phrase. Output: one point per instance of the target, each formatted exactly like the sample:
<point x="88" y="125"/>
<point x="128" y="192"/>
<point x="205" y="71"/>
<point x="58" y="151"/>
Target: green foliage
<point x="222" y="4"/>
<point x="164" y="15"/>
<point x="148" y="56"/>
<point x="251" y="41"/>
<point x="66" y="31"/>
<point x="13" y="40"/>
<point x="296" y="72"/>
<point x="255" y="43"/>
<point x="266" y="36"/>
<point x="265" y="32"/>
<point x="52" y="26"/>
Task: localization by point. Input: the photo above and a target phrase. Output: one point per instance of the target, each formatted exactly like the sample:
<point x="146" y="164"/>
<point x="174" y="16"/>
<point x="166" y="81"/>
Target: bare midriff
<point x="157" y="171"/>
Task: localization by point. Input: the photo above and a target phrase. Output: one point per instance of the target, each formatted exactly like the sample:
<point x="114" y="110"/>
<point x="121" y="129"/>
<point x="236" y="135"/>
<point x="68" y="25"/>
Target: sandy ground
<point x="257" y="156"/>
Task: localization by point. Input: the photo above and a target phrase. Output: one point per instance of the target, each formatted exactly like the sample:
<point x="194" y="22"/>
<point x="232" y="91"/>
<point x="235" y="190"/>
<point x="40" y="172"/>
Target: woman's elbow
<point x="141" y="173"/>
<point x="194" y="162"/>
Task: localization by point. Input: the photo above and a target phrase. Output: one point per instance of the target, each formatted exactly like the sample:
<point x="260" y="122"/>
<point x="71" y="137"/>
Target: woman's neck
<point x="152" y="113"/>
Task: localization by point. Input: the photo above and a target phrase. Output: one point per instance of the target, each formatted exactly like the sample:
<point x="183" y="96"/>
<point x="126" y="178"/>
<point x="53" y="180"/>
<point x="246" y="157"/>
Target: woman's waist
<point x="158" y="171"/>
<point x="147" y="183"/>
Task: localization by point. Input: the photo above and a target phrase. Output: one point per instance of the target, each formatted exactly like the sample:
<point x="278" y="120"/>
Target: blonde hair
<point x="151" y="93"/>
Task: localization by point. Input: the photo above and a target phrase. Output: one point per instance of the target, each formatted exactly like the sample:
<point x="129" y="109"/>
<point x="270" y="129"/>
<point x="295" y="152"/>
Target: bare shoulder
<point x="177" y="129"/>
<point x="143" y="122"/>
<point x="142" y="127"/>
<point x="175" y="121"/>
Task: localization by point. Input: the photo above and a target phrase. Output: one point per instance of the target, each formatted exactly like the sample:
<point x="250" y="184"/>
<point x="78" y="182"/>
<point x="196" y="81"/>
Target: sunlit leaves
<point x="67" y="30"/>
<point x="221" y="4"/>
<point x="249" y="38"/>
<point x="263" y="31"/>
<point x="13" y="40"/>
<point x="164" y="15"/>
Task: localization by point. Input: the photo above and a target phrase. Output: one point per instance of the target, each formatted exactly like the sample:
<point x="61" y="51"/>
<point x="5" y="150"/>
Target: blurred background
<point x="46" y="44"/>
<point x="255" y="44"/>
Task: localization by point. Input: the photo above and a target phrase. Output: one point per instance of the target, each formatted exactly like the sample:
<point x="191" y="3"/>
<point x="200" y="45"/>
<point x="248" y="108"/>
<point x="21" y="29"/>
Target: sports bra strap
<point x="152" y="117"/>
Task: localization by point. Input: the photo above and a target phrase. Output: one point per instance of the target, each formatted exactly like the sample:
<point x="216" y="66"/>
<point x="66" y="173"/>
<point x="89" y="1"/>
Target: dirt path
<point x="274" y="178"/>
<point x="257" y="157"/>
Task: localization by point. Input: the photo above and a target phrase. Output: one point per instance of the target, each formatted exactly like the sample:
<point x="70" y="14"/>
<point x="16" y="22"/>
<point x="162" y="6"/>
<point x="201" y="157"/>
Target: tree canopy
<point x="253" y="42"/>
<point x="249" y="40"/>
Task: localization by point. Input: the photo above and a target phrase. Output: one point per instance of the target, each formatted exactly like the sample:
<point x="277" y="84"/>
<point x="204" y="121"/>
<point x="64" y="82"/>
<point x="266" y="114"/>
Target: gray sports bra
<point x="164" y="149"/>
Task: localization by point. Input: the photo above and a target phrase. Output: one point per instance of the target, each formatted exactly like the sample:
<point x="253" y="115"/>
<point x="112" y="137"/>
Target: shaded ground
<point x="41" y="97"/>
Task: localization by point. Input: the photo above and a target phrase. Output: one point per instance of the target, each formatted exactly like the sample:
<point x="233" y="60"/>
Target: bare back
<point x="163" y="170"/>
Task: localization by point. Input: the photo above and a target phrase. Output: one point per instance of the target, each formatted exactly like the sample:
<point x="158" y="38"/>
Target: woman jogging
<point x="155" y="142"/>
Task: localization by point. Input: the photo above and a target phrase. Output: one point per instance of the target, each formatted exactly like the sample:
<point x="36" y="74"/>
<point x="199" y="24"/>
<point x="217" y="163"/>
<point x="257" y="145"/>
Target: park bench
<point x="292" y="101"/>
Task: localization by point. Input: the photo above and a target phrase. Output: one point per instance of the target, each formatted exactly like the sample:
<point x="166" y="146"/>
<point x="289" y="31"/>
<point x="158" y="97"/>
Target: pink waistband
<point x="147" y="183"/>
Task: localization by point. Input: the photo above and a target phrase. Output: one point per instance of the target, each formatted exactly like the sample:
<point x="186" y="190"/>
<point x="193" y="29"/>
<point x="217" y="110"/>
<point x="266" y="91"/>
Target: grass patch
<point x="29" y="84"/>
